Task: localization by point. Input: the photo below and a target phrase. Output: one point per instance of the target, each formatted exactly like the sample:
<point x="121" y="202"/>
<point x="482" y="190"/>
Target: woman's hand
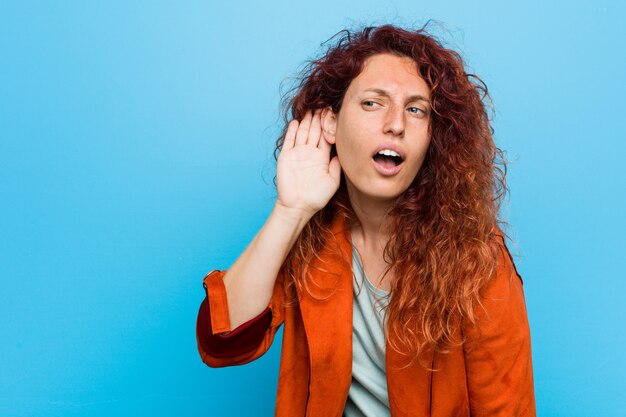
<point x="306" y="178"/>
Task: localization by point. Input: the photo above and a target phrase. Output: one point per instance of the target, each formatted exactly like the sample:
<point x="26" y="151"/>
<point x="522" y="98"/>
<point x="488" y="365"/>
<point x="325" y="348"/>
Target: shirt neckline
<point x="369" y="284"/>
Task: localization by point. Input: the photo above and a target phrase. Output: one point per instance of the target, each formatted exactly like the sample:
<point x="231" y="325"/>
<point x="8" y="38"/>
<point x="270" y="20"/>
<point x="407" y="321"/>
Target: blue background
<point x="136" y="155"/>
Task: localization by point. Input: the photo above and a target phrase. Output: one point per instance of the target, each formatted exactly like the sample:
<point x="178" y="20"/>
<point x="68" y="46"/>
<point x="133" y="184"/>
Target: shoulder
<point x="504" y="257"/>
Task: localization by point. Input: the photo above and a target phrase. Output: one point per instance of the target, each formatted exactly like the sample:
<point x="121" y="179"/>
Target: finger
<point x="290" y="136"/>
<point x="315" y="129"/>
<point x="303" y="129"/>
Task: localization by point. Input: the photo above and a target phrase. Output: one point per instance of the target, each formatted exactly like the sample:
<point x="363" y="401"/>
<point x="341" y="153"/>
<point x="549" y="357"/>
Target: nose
<point x="394" y="121"/>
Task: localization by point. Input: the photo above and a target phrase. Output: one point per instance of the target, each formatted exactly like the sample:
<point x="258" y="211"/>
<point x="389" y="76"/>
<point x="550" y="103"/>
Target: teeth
<point x="389" y="152"/>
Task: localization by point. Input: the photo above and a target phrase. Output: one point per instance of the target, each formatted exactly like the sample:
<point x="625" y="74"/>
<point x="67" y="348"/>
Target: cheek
<point x="352" y="156"/>
<point x="351" y="140"/>
<point x="346" y="148"/>
<point x="346" y="155"/>
<point x="418" y="160"/>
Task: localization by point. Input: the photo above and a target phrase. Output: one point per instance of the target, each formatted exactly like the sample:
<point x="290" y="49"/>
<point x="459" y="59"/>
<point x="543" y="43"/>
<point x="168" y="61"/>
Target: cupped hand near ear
<point x="306" y="177"/>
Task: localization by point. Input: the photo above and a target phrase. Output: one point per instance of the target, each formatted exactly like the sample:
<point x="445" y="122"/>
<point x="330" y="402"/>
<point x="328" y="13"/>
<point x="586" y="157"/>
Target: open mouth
<point x="388" y="159"/>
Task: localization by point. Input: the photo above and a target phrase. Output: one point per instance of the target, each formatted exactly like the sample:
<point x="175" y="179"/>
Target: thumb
<point x="334" y="169"/>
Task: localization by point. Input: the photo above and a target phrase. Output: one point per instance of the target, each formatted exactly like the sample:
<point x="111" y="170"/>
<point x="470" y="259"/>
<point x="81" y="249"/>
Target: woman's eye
<point x="418" y="110"/>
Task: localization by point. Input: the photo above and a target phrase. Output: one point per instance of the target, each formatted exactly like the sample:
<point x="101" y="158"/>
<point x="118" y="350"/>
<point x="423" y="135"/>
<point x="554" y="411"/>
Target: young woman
<point x="383" y="255"/>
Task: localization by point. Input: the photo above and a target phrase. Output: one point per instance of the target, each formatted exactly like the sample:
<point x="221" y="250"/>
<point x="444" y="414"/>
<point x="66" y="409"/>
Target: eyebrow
<point x="414" y="97"/>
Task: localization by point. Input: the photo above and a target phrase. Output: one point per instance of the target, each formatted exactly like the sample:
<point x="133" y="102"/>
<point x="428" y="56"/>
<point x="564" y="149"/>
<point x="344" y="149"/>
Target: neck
<point x="374" y="230"/>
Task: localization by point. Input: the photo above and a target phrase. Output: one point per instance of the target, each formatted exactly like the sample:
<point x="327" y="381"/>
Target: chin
<point x="378" y="190"/>
<point x="384" y="194"/>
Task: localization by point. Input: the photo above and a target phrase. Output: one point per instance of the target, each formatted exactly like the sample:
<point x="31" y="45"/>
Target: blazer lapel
<point x="328" y="326"/>
<point x="328" y="323"/>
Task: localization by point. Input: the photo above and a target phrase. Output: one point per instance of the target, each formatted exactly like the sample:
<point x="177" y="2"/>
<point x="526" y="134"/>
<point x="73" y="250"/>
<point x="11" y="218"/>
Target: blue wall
<point x="135" y="156"/>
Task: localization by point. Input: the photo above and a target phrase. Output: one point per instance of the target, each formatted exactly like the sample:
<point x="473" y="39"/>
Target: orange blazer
<point x="492" y="378"/>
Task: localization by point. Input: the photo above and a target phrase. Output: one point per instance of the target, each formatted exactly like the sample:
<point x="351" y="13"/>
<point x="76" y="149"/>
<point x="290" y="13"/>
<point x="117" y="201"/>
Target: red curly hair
<point x="443" y="248"/>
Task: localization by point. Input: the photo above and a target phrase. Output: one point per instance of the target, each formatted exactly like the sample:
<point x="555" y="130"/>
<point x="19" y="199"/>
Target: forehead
<point x="396" y="74"/>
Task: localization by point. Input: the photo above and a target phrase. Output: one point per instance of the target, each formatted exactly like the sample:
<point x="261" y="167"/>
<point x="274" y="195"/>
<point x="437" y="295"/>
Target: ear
<point x="329" y="124"/>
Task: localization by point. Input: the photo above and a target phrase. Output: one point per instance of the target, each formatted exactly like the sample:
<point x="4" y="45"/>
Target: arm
<point x="498" y="356"/>
<point x="306" y="179"/>
<point x="239" y="298"/>
<point x="249" y="282"/>
<point x="243" y="307"/>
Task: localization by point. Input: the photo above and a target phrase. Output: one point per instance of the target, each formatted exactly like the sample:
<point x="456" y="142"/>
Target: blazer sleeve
<point x="498" y="350"/>
<point x="218" y="344"/>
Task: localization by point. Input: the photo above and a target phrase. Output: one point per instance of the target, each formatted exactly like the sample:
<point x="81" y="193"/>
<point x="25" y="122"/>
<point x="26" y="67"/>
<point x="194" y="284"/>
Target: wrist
<point x="291" y="214"/>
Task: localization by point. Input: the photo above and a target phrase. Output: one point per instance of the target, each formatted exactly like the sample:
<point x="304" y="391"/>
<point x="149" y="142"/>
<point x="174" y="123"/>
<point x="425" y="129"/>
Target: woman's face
<point x="385" y="108"/>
